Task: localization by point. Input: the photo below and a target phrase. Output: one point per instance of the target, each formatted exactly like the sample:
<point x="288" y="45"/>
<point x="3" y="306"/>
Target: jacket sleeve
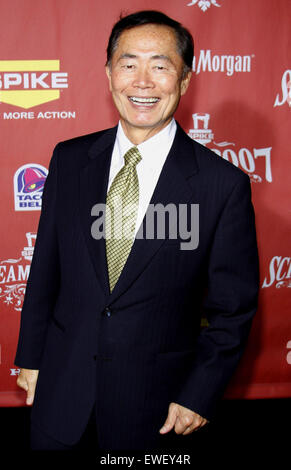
<point x="43" y="281"/>
<point x="230" y="303"/>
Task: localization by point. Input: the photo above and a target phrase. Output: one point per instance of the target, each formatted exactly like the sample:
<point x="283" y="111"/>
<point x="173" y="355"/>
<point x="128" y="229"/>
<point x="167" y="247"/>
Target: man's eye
<point x="160" y="67"/>
<point x="128" y="66"/>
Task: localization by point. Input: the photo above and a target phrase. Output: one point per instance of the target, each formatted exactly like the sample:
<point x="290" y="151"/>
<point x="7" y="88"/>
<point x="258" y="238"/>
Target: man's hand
<point x="27" y="380"/>
<point x="183" y="420"/>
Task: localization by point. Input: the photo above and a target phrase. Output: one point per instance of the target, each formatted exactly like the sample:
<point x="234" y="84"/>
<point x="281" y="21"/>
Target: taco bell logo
<point x="29" y="181"/>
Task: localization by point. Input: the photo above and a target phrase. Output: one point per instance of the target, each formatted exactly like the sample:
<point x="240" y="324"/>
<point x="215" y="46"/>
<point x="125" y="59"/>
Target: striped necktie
<point x="121" y="213"/>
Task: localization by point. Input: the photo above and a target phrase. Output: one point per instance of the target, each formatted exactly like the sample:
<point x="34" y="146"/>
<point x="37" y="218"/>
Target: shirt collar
<point x="160" y="142"/>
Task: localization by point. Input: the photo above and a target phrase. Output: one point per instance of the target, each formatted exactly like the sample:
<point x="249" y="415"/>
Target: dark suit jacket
<point x="141" y="347"/>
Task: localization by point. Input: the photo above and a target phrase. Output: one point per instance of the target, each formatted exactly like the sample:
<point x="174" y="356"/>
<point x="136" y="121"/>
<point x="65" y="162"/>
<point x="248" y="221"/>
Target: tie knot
<point x="132" y="157"/>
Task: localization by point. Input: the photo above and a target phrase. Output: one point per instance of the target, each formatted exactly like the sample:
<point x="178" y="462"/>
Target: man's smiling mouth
<point x="143" y="101"/>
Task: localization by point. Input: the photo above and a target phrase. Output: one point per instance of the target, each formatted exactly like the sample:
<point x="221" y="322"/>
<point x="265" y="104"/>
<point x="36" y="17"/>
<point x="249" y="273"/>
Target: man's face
<point x="145" y="77"/>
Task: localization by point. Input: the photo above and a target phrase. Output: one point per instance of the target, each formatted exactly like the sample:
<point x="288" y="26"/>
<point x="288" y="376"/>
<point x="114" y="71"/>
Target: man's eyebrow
<point x="126" y="55"/>
<point x="161" y="56"/>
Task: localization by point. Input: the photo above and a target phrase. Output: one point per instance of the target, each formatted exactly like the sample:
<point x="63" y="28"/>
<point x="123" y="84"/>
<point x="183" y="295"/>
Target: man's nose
<point x="143" y="79"/>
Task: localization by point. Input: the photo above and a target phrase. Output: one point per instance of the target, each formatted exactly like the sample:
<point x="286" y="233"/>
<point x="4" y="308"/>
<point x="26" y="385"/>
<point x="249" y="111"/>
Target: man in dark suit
<point x="111" y="325"/>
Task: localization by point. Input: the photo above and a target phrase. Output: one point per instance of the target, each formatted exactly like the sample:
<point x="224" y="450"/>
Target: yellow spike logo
<point x="29" y="83"/>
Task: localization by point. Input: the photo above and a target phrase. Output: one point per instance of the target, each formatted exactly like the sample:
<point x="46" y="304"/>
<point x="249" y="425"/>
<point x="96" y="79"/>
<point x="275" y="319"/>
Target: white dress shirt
<point x="154" y="152"/>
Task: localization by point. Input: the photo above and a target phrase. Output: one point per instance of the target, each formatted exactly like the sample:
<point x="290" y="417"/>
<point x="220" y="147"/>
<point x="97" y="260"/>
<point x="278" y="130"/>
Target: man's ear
<point x="185" y="82"/>
<point x="108" y="73"/>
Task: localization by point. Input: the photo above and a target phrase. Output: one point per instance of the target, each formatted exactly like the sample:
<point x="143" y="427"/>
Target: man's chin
<point x="146" y="124"/>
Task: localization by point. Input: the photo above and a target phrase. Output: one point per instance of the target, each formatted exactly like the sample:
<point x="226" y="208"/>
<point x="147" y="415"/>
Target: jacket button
<point x="107" y="312"/>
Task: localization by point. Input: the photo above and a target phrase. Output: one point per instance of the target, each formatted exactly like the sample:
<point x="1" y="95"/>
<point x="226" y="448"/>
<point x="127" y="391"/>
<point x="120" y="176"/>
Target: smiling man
<point x="147" y="76"/>
<point x="110" y="326"/>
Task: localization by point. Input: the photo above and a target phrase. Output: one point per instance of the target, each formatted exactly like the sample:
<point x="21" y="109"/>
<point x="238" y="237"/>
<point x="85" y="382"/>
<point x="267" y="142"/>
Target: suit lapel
<point x="172" y="187"/>
<point x="93" y="187"/>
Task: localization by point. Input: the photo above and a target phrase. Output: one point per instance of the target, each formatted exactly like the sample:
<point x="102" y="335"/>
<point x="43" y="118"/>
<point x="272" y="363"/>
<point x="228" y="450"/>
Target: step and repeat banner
<point x="53" y="87"/>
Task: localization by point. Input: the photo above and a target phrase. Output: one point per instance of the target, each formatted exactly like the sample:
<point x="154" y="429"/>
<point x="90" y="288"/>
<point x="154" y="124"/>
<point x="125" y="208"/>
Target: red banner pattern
<point x="53" y="87"/>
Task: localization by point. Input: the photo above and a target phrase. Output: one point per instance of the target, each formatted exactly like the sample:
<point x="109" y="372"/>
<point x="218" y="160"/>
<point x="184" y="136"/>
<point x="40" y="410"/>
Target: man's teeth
<point x="144" y="101"/>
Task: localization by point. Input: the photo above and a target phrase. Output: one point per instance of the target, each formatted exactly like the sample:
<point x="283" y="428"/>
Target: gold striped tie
<point x="121" y="213"/>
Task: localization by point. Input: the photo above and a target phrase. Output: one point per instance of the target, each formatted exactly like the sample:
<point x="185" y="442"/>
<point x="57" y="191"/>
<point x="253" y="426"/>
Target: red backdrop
<point x="53" y="87"/>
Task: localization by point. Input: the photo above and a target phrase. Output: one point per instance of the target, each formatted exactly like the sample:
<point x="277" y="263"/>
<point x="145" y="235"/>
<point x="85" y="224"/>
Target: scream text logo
<point x="14" y="274"/>
<point x="285" y="89"/>
<point x="29" y="83"/>
<point x="279" y="272"/>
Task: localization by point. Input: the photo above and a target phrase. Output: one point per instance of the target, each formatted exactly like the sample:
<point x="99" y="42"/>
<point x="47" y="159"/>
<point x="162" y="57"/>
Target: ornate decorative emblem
<point x="204" y="4"/>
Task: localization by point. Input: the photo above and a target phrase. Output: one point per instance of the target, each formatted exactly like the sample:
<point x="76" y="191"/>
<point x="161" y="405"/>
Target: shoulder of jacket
<point x="209" y="161"/>
<point x="81" y="141"/>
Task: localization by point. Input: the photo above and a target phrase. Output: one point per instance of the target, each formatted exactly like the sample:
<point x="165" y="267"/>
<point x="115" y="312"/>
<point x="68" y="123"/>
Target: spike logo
<point x="243" y="157"/>
<point x="29" y="83"/>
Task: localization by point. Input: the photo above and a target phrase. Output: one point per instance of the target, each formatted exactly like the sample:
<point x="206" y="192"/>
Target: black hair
<point x="185" y="43"/>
